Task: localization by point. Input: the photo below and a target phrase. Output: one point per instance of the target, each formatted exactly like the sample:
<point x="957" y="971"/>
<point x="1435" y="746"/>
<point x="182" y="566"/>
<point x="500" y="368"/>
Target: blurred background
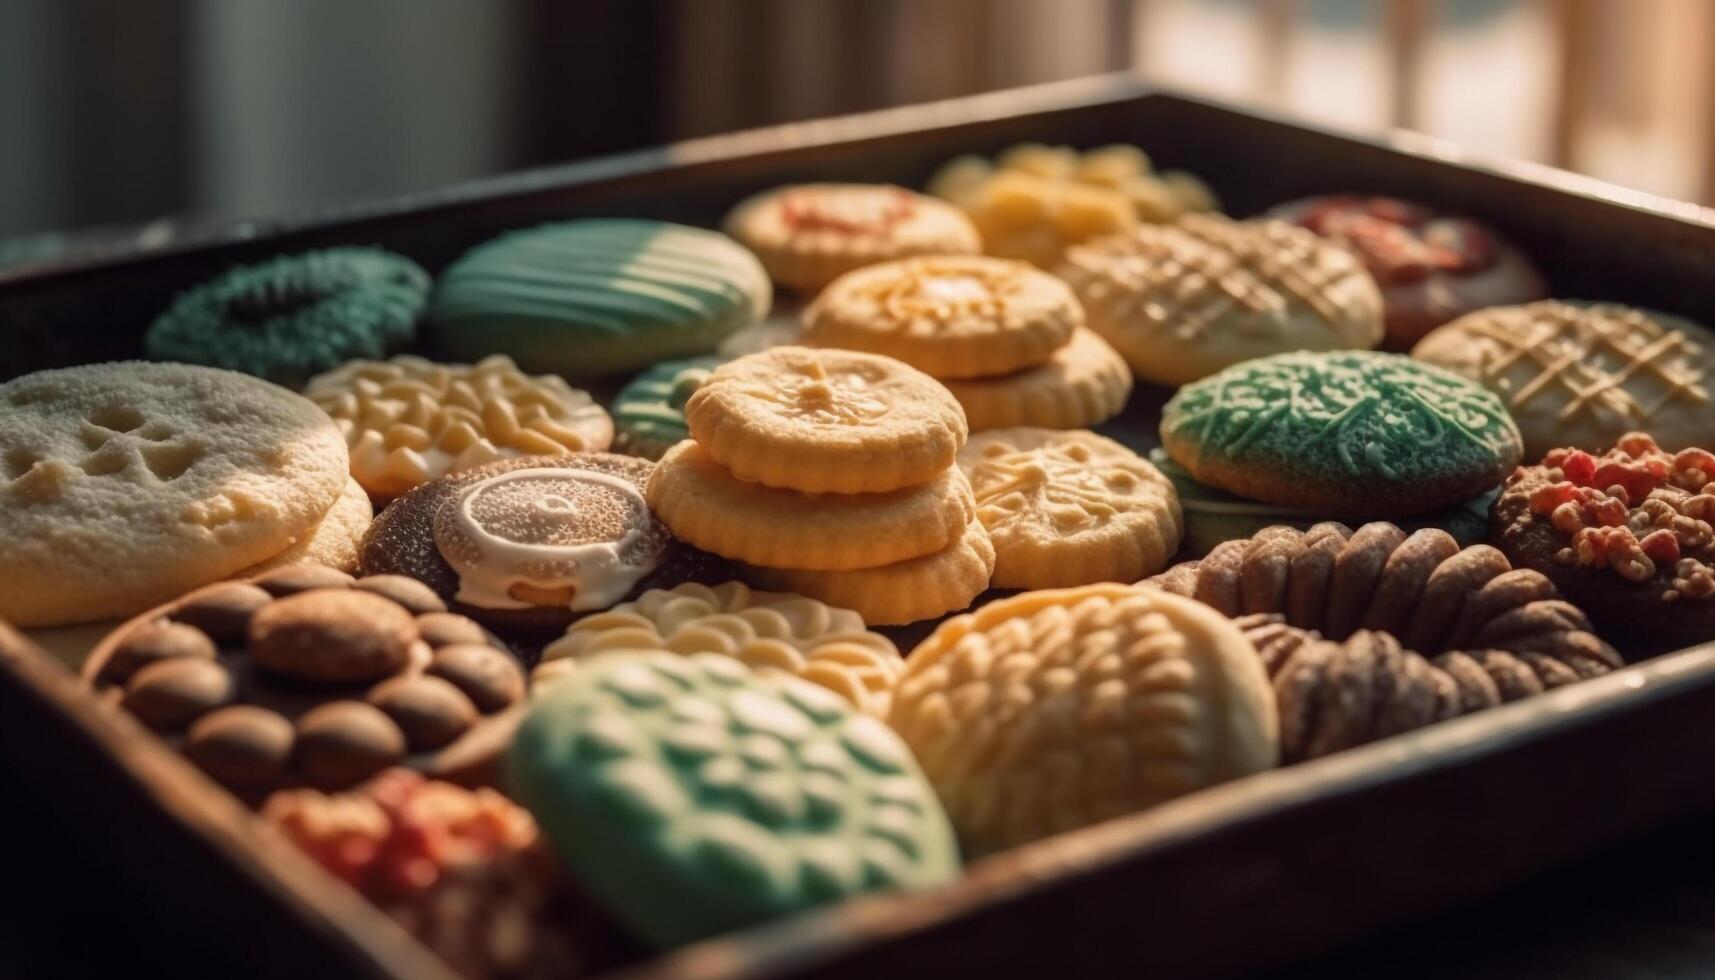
<point x="116" y="112"/>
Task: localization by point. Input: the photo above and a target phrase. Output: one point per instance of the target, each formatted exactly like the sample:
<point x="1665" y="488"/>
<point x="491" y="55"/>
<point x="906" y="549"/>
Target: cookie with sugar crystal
<point x="1069" y="508"/>
<point x="948" y="316"/>
<point x="826" y="421"/>
<point x="1084" y="382"/>
<point x="125" y="484"/>
<point x="706" y="506"/>
<point x="904" y="592"/>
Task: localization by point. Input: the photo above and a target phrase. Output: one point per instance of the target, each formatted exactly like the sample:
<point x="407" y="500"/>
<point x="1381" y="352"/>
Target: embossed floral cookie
<point x="693" y="796"/>
<point x="808" y="235"/>
<point x="1069" y="508"/>
<point x="1184" y="300"/>
<point x="1058" y="709"/>
<point x="1350" y="432"/>
<point x="409" y="420"/>
<point x="822" y="644"/>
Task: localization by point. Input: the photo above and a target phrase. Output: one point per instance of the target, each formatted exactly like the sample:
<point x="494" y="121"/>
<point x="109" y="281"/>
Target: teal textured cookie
<point x="595" y="297"/>
<point x="1355" y="434"/>
<point x="693" y="796"/>
<point x="292" y="317"/>
<point x="649" y="412"/>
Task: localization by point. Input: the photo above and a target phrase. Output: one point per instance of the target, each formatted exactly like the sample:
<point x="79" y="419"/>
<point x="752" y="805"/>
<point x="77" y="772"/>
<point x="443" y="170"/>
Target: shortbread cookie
<point x="692" y="796"/>
<point x="826" y="421"/>
<point x="409" y="420"/>
<point x="291" y="317"/>
<point x="904" y="592"/>
<point x="808" y="235"/>
<point x="767" y="630"/>
<point x="334" y="539"/>
<point x="1584" y="375"/>
<point x="1058" y="709"/>
<point x="649" y="412"/>
<point x="1185" y="300"/>
<point x="597" y="297"/>
<point x="1069" y="508"/>
<point x="123" y="485"/>
<point x="1084" y="383"/>
<point x="948" y="316"/>
<point x="703" y="504"/>
<point x="1431" y="267"/>
<point x="1352" y="432"/>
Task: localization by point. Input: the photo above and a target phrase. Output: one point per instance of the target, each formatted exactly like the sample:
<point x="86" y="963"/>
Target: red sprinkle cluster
<point x="1399" y="241"/>
<point x="811" y="210"/>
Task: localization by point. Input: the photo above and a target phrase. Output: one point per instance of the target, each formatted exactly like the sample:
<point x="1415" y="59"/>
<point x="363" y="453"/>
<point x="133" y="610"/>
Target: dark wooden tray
<point x="1241" y="876"/>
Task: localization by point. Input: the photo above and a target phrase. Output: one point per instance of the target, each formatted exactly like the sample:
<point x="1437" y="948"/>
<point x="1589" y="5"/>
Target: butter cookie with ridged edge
<point x="1083" y="383"/>
<point x="706" y="506"/>
<point x="948" y="316"/>
<point x="904" y="592"/>
<point x="826" y="421"/>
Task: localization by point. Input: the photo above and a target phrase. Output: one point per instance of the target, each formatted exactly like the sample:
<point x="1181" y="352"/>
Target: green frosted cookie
<point x="296" y="316"/>
<point x="586" y="298"/>
<point x="649" y="412"/>
<point x="1352" y="434"/>
<point x="693" y="796"/>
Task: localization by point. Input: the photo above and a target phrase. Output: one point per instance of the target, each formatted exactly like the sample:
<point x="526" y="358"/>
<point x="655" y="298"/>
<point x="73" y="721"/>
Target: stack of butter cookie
<point x="1007" y="339"/>
<point x="831" y="474"/>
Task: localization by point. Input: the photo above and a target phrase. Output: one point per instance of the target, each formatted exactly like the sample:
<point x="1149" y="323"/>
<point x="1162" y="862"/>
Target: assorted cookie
<point x="649" y="412"/>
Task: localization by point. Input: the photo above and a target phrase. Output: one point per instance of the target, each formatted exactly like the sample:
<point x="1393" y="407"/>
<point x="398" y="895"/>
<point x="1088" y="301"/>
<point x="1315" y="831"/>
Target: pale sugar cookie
<point x="706" y="506"/>
<point x="948" y="316"/>
<point x="808" y="235"/>
<point x="409" y="420"/>
<point x="334" y="539"/>
<point x="822" y="421"/>
<point x="125" y="484"/>
<point x="1069" y="508"/>
<point x="1084" y="383"/>
<point x="904" y="592"/>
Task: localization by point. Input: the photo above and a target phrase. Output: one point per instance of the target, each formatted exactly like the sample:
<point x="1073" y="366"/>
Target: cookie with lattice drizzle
<point x="694" y="796"/>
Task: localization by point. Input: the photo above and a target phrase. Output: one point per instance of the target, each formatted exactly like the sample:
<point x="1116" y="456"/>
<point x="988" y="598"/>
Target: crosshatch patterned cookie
<point x="1353" y="432"/>
<point x="1582" y="376"/>
<point x="821" y="421"/>
<point x="1185" y="300"/>
<point x="948" y="316"/>
<point x="766" y="630"/>
<point x="904" y="592"/>
<point x="1083" y="383"/>
<point x="1069" y="508"/>
<point x="1058" y="709"/>
<point x="125" y="484"/>
<point x="410" y="420"/>
<point x="694" y="796"/>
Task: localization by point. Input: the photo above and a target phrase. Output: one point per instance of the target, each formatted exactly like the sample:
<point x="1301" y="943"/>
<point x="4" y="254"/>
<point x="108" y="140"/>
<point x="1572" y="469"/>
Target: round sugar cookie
<point x="1184" y="300"/>
<point x="1058" y="709"/>
<point x="706" y="506"/>
<point x="947" y="316"/>
<point x="597" y="297"/>
<point x="808" y="235"/>
<point x="334" y="539"/>
<point x="692" y="796"/>
<point x="826" y="421"/>
<point x="125" y="484"/>
<point x="1583" y="375"/>
<point x="904" y="592"/>
<point x="1344" y="432"/>
<point x="822" y="644"/>
<point x="649" y="412"/>
<point x="1084" y="383"/>
<point x="1069" y="508"/>
<point x="409" y="420"/>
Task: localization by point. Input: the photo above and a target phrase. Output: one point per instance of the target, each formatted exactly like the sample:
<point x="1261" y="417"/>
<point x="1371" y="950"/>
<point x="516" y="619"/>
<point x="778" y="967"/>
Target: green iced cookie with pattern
<point x="1355" y="434"/>
<point x="295" y="316"/>
<point x="649" y="412"/>
<point x="693" y="796"/>
<point x="599" y="296"/>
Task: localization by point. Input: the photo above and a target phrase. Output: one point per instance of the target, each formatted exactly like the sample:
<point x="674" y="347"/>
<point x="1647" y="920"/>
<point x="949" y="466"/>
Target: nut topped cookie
<point x="1584" y="375"/>
<point x="1353" y="432"/>
<point x="1185" y="300"/>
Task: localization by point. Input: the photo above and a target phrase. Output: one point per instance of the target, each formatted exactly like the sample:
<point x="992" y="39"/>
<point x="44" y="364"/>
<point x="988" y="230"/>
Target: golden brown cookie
<point x="822" y="421"/>
<point x="1084" y="383"/>
<point x="333" y="541"/>
<point x="1067" y="508"/>
<point x="904" y="592"/>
